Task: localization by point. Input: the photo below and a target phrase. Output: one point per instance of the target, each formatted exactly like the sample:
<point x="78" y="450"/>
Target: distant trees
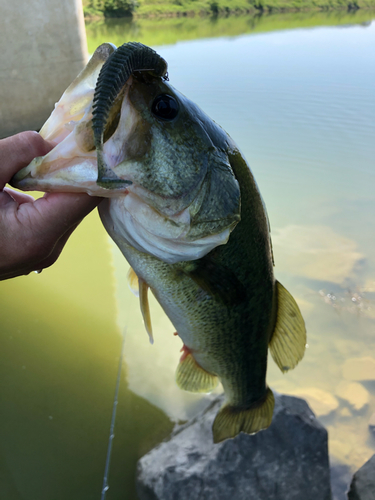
<point x="110" y="8"/>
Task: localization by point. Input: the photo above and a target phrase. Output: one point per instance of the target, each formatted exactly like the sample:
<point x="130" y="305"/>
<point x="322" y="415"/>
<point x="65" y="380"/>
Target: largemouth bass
<point x="184" y="208"/>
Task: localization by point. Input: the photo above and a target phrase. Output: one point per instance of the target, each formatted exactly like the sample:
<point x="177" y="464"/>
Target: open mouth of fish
<point x="122" y="132"/>
<point x="72" y="165"/>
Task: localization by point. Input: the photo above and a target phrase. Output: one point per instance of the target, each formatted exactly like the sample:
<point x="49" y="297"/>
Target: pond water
<point x="297" y="94"/>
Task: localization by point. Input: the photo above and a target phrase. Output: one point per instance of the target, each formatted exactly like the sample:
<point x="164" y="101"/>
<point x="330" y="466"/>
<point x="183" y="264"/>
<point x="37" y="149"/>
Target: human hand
<point x="33" y="232"/>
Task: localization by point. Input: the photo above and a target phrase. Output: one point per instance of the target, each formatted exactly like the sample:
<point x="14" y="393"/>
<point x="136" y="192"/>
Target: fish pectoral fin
<point x="133" y="282"/>
<point x="230" y="421"/>
<point x="140" y="289"/>
<point x="192" y="377"/>
<point x="288" y="340"/>
<point x="145" y="308"/>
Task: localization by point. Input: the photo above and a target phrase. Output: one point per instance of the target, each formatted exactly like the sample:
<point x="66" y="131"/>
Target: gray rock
<point x="288" y="461"/>
<point x="341" y="476"/>
<point x="371" y="424"/>
<point x="363" y="483"/>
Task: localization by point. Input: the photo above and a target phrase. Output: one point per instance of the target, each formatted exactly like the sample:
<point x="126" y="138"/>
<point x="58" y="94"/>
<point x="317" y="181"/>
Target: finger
<point x="60" y="211"/>
<point x="5" y="199"/>
<point x="18" y="196"/>
<point x="35" y="233"/>
<point x="50" y="217"/>
<point x="37" y="262"/>
<point x="50" y="259"/>
<point x="17" y="151"/>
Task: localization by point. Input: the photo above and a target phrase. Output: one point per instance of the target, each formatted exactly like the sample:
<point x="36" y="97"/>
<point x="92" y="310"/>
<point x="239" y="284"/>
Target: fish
<point x="181" y="203"/>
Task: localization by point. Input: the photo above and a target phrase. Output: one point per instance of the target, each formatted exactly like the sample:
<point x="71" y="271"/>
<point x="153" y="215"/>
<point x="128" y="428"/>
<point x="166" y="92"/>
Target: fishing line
<point x="105" y="487"/>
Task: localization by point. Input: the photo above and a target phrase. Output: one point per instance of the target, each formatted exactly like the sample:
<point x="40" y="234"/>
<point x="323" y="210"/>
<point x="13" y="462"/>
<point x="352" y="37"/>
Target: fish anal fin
<point x="133" y="282"/>
<point x="230" y="421"/>
<point x="145" y="308"/>
<point x="192" y="377"/>
<point x="288" y="341"/>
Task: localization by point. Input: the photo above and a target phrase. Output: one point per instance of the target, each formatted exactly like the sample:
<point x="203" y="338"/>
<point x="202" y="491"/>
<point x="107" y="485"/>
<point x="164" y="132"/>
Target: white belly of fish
<point x="163" y="237"/>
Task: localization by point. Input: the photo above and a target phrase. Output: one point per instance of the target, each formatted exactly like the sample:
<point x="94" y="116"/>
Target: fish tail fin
<point x="288" y="340"/>
<point x="232" y="420"/>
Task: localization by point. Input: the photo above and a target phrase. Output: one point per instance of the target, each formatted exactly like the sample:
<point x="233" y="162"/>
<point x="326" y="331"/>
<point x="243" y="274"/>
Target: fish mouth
<point x="84" y="120"/>
<point x="114" y="75"/>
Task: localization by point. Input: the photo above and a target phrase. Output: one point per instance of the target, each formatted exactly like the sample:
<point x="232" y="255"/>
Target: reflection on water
<point x="300" y="104"/>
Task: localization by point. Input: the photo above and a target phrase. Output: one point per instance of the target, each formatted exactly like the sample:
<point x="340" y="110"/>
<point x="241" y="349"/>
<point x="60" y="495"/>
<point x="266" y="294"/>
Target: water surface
<point x="300" y="103"/>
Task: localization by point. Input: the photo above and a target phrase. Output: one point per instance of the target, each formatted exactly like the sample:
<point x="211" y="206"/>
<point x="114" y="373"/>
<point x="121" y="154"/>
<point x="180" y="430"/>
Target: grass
<point x="175" y="8"/>
<point x="170" y="30"/>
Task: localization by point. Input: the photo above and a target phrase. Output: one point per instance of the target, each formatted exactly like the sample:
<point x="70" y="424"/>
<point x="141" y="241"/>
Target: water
<point x="300" y="103"/>
<point x="113" y="422"/>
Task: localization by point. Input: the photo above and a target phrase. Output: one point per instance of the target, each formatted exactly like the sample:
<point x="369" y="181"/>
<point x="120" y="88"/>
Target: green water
<point x="300" y="103"/>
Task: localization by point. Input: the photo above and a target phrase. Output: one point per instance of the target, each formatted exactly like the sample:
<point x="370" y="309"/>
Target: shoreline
<point x="169" y="10"/>
<point x="168" y="30"/>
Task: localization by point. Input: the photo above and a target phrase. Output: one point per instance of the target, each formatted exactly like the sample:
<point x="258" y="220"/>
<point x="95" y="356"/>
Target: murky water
<point x="300" y="103"/>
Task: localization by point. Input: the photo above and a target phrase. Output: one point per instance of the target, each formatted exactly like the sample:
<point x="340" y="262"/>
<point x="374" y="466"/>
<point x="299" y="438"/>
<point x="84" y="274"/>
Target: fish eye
<point x="165" y="107"/>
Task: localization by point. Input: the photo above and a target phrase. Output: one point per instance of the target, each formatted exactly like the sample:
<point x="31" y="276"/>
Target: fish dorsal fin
<point x="288" y="341"/>
<point x="192" y="377"/>
<point x="145" y="308"/>
<point x="230" y="421"/>
<point x="133" y="282"/>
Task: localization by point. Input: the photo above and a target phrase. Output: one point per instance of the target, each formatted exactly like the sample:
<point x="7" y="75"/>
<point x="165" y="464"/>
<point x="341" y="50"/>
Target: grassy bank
<point x="169" y="30"/>
<point x="170" y="8"/>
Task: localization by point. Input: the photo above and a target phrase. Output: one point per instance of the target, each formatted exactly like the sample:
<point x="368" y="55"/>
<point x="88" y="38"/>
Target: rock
<point x="371" y="424"/>
<point x="363" y="483"/>
<point x="354" y="393"/>
<point x="340" y="480"/>
<point x="322" y="402"/>
<point x="288" y="461"/>
<point x="359" y="369"/>
<point x="318" y="252"/>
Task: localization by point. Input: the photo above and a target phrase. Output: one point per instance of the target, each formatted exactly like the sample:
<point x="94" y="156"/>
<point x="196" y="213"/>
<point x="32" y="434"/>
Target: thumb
<point x="57" y="212"/>
<point x="19" y="150"/>
<point x="51" y="217"/>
